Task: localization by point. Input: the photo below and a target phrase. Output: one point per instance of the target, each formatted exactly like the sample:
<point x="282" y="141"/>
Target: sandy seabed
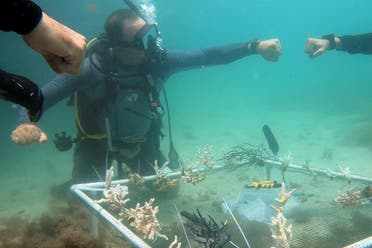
<point x="325" y="141"/>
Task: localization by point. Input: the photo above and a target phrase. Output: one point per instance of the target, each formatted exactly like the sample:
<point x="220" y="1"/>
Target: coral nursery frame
<point x="81" y="190"/>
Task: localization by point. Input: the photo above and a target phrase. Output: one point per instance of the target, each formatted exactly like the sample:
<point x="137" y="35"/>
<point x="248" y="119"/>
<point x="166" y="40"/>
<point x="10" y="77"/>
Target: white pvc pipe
<point x="321" y="172"/>
<point x="94" y="221"/>
<point x="99" y="186"/>
<point x="133" y="238"/>
<point x="364" y="243"/>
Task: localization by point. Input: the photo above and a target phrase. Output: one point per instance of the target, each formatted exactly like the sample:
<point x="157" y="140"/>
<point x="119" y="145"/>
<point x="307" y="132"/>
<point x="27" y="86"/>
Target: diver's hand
<point x="270" y="49"/>
<point x="315" y="47"/>
<point x="62" y="47"/>
<point x="28" y="133"/>
<point x="62" y="141"/>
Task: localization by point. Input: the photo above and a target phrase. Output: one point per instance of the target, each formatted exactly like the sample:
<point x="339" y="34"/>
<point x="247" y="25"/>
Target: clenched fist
<point x="270" y="49"/>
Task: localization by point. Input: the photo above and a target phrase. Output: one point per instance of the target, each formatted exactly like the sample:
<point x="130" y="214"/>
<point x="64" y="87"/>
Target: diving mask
<point x="148" y="39"/>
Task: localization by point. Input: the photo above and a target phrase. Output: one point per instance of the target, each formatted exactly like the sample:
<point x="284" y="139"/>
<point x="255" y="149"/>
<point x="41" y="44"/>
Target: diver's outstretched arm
<point x="180" y="60"/>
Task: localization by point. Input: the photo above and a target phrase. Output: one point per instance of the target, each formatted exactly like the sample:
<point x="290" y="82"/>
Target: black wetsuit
<point x="93" y="99"/>
<point x="20" y="16"/>
<point x="361" y="43"/>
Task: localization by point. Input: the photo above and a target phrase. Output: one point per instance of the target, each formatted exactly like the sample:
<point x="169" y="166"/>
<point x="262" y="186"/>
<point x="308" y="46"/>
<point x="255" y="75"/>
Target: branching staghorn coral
<point x="308" y="168"/>
<point x="281" y="232"/>
<point x="284" y="196"/>
<point x="144" y="219"/>
<point x="192" y="177"/>
<point x="286" y="161"/>
<point x="205" y="156"/>
<point x="136" y="179"/>
<point x="162" y="181"/>
<point x="189" y="175"/>
<point x="175" y="243"/>
<point x="114" y="196"/>
<point x="346" y="173"/>
<point x="349" y="198"/>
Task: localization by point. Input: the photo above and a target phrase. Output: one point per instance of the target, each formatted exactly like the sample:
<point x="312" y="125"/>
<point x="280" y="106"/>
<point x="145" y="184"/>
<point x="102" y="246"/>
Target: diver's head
<point x="132" y="37"/>
<point x="122" y="26"/>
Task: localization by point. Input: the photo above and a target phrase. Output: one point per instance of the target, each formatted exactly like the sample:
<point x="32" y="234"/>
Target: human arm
<point x="352" y="44"/>
<point x="62" y="47"/>
<point x="183" y="60"/>
<point x="56" y="90"/>
<point x="61" y="87"/>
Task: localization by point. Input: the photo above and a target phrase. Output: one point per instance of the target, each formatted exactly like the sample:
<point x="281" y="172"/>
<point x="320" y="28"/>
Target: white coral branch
<point x="281" y="231"/>
<point x="175" y="243"/>
<point x="144" y="219"/>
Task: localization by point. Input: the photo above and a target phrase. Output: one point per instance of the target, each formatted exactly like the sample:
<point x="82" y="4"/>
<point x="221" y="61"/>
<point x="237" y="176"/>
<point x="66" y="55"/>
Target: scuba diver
<point x="116" y="97"/>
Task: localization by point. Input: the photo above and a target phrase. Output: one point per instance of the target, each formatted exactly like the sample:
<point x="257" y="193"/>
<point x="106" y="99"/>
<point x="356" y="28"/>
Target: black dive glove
<point x="62" y="142"/>
<point x="22" y="91"/>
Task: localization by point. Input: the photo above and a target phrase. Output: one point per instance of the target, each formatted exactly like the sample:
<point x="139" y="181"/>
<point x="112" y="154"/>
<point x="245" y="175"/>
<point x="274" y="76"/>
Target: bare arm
<point x="62" y="47"/>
